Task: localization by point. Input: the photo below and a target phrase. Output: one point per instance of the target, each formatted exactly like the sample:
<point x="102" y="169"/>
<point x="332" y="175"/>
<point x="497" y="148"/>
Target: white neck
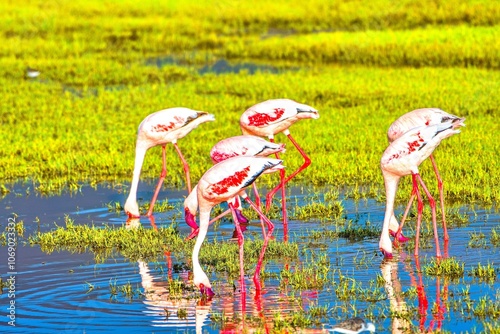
<point x="140" y="152"/>
<point x="391" y="186"/>
<point x="202" y="233"/>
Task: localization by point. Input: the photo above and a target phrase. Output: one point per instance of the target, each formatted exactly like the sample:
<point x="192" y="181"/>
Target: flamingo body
<point x="402" y="157"/>
<point x="159" y="128"/>
<point x="220" y="183"/>
<point x="245" y="145"/>
<point x="408" y="121"/>
<point x="416" y="118"/>
<point x="271" y="117"/>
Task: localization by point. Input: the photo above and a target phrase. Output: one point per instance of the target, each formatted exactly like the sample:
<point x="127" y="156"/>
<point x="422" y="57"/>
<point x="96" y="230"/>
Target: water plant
<point x="486" y="273"/>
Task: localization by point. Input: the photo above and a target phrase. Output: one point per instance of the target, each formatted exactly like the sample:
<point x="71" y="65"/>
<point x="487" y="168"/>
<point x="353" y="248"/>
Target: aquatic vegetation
<point x="449" y="267"/>
<point x="487" y="273"/>
<point x="325" y="210"/>
<point x="495" y="237"/>
<point x="477" y="240"/>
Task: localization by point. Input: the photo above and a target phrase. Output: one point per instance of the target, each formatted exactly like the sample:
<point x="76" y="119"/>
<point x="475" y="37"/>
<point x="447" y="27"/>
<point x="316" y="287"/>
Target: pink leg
<point x="432" y="203"/>
<point x="160" y="182"/>
<point x="167" y="254"/>
<point x="270" y="228"/>
<point x="399" y="234"/>
<point x="257" y="203"/>
<point x="185" y="166"/>
<point x="307" y="162"/>
<point x="420" y="208"/>
<point x="441" y="196"/>
<point x="423" y="303"/>
<point x="269" y="199"/>
<point x="239" y="216"/>
<point x="241" y="242"/>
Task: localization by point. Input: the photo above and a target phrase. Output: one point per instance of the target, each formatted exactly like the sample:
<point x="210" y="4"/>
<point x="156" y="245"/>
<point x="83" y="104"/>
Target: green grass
<point x="77" y="123"/>
<point x="361" y="64"/>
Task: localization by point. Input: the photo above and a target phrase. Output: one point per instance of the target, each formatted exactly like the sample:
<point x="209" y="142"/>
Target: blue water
<point x="70" y="293"/>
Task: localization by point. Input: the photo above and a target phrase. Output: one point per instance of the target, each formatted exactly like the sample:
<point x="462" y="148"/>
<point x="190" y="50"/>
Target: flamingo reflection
<point x="169" y="311"/>
<point x="423" y="303"/>
<point x="399" y="310"/>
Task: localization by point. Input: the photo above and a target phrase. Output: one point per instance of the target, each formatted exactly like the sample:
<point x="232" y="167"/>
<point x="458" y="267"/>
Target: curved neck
<point x="140" y="152"/>
<point x="391" y="186"/>
<point x="202" y="233"/>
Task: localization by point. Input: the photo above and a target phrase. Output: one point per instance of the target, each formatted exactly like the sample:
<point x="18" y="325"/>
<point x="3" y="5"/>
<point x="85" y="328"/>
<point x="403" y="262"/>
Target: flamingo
<point x="268" y="118"/>
<point x="412" y="119"/>
<point x="221" y="183"/>
<point x="402" y="157"/>
<point x="244" y="145"/>
<point x="159" y="128"/>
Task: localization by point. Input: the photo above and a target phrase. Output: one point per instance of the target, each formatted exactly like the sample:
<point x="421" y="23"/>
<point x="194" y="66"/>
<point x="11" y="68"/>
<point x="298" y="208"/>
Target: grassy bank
<point x="362" y="66"/>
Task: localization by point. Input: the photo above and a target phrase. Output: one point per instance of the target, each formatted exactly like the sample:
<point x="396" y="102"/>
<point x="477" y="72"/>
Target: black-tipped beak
<point x="206" y="291"/>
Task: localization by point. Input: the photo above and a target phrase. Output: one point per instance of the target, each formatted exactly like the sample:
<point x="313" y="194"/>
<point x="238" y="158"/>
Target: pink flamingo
<point x="244" y="145"/>
<point x="159" y="128"/>
<point x="221" y="183"/>
<point x="408" y="121"/>
<point x="402" y="157"/>
<point x="268" y="118"/>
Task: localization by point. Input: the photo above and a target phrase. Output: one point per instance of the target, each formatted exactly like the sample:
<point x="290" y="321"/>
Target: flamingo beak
<point x="132" y="215"/>
<point x="206" y="291"/>
<point x="189" y="218"/>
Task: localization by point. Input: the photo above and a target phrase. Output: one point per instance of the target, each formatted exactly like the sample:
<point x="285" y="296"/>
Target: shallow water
<point x="218" y="67"/>
<point x="52" y="291"/>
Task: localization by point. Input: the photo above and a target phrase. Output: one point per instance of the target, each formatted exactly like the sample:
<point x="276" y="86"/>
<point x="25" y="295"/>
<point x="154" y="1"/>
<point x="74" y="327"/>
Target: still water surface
<point x="53" y="291"/>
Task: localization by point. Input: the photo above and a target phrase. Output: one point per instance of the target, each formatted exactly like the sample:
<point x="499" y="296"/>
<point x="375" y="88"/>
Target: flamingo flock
<point x="240" y="160"/>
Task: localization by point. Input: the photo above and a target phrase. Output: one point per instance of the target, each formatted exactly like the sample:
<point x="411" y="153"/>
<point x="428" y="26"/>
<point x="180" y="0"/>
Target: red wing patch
<point x="163" y="127"/>
<point x="412" y="146"/>
<point x="220" y="156"/>
<point x="234" y="180"/>
<point x="264" y="119"/>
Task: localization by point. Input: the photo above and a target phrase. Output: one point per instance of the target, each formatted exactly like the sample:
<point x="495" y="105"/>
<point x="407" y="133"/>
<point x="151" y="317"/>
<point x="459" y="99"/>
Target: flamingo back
<point x="405" y="154"/>
<point x="416" y="118"/>
<point x="274" y="116"/>
<point x="171" y="124"/>
<point x="227" y="178"/>
<point x="244" y="145"/>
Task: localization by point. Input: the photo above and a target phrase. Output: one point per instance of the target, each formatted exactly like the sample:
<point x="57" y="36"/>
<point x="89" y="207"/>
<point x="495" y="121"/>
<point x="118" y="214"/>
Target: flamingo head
<point x="206" y="290"/>
<point x="132" y="209"/>
<point x="191" y="207"/>
<point x="190" y="218"/>
<point x="202" y="282"/>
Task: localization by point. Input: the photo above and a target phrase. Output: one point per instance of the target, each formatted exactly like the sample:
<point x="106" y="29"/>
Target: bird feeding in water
<point x="160" y="128"/>
<point x="402" y="157"/>
<point x="244" y="145"/>
<point x="408" y="121"/>
<point x="221" y="183"/>
<point x="268" y="118"/>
